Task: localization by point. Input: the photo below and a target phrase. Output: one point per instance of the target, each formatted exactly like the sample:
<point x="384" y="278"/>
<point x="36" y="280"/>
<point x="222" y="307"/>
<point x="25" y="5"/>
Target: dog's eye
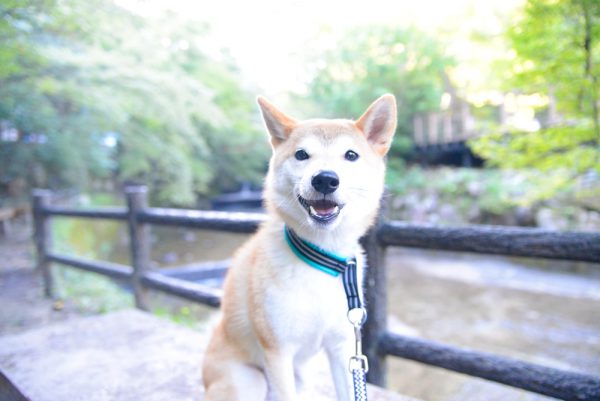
<point x="301" y="154"/>
<point x="351" y="155"/>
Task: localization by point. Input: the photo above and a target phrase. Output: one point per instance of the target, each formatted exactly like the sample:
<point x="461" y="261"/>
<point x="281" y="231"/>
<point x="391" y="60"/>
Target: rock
<point x="127" y="355"/>
<point x="548" y="219"/>
<point x="524" y="216"/>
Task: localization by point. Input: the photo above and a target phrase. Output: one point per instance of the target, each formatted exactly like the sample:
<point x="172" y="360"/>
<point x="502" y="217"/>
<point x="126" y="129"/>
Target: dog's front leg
<point x="279" y="370"/>
<point x="339" y="357"/>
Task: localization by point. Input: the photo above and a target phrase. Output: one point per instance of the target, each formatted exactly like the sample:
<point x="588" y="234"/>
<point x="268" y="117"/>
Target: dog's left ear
<point x="379" y="123"/>
<point x="278" y="124"/>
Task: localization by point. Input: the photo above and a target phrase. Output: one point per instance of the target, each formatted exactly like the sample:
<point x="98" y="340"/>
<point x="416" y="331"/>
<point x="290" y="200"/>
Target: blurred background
<point x="95" y="94"/>
<point x="499" y="123"/>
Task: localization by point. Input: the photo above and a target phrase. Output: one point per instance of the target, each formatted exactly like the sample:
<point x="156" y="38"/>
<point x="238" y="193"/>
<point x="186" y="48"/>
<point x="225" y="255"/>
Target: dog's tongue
<point x="324" y="208"/>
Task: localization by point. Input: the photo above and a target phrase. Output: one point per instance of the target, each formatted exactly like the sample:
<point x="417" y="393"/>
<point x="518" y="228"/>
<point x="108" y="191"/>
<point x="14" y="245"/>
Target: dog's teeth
<point x="336" y="209"/>
<point x="312" y="211"/>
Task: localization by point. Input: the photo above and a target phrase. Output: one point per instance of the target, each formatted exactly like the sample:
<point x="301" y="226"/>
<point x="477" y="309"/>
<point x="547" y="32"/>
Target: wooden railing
<point x="379" y="342"/>
<point x="443" y="128"/>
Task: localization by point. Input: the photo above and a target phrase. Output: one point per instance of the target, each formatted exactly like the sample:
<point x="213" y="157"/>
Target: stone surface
<point x="125" y="356"/>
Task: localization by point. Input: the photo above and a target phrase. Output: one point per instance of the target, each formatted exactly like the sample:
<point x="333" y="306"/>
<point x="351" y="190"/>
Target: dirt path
<point x="22" y="304"/>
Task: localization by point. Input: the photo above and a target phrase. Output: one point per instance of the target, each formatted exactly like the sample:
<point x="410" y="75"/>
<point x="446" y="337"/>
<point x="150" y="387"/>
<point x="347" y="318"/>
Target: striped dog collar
<point x="327" y="262"/>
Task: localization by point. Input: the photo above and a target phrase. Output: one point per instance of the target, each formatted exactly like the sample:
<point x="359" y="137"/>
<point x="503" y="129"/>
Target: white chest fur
<point x="306" y="307"/>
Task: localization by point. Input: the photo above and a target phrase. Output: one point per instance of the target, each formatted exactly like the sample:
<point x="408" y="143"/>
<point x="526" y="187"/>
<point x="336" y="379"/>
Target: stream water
<point x="540" y="311"/>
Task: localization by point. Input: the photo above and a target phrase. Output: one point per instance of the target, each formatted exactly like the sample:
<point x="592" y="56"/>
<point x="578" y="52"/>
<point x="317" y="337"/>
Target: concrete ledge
<point x="8" y="391"/>
<point x="125" y="356"/>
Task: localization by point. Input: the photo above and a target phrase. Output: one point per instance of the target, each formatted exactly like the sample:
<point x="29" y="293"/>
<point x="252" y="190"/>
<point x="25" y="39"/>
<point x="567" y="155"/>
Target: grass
<point x="192" y="316"/>
<point x="90" y="293"/>
<point x="93" y="294"/>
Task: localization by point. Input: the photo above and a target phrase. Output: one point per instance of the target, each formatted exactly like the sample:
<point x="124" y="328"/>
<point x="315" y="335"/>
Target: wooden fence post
<point x="43" y="238"/>
<point x="376" y="302"/>
<point x="139" y="241"/>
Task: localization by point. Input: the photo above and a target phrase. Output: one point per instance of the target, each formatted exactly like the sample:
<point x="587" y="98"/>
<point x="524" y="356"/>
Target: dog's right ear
<point x="278" y="124"/>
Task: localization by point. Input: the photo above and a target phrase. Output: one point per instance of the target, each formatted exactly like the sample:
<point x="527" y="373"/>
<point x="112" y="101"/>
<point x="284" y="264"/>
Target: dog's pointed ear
<point x="379" y="123"/>
<point x="278" y="124"/>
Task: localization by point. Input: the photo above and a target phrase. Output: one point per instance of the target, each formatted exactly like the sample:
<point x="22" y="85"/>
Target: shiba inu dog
<point x="324" y="184"/>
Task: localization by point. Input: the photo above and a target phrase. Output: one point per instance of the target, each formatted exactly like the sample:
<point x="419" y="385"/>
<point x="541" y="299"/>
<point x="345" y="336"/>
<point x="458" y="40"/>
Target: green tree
<point x="76" y="71"/>
<point x="557" y="47"/>
<point x="370" y="61"/>
<point x="29" y="101"/>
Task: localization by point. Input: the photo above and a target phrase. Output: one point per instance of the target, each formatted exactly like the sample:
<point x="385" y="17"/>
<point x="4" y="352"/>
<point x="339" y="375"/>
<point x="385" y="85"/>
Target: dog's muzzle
<point x="321" y="210"/>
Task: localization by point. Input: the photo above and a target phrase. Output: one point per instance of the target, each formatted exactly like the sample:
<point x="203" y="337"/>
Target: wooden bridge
<point x="29" y="362"/>
<point x="441" y="137"/>
<point x="444" y="127"/>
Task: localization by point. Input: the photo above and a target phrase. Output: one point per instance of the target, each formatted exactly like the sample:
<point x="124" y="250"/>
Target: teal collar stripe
<point x="329" y="263"/>
<point x="316" y="257"/>
<point x="307" y="260"/>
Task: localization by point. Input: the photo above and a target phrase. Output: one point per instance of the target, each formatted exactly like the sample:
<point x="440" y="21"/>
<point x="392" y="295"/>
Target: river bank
<point x="462" y="196"/>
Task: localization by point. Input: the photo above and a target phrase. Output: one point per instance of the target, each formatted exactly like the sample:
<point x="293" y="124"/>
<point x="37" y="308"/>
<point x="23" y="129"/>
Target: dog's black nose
<point x="325" y="182"/>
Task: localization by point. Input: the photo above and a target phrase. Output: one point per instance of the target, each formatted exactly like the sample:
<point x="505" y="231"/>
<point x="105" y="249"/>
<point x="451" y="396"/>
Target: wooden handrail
<point x="494" y="240"/>
<point x="378" y="341"/>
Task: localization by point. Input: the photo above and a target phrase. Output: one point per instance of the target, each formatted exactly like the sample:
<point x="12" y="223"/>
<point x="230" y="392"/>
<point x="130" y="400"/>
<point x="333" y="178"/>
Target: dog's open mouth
<point x="321" y="210"/>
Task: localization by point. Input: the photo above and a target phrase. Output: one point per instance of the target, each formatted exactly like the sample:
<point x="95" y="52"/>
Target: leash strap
<point x="359" y="379"/>
<point x="334" y="265"/>
<point x="351" y="286"/>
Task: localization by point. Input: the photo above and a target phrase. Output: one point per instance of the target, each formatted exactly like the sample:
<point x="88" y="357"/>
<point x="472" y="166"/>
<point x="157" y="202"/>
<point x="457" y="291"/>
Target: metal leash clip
<point x="357" y="317"/>
<point x="359" y="362"/>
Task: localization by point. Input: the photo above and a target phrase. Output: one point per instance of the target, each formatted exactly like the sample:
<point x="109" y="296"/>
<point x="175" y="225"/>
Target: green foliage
<point x="457" y="196"/>
<point x="370" y="61"/>
<point x="89" y="292"/>
<point x="472" y="195"/>
<point x="557" y="44"/>
<point x="553" y="148"/>
<point x="557" y="48"/>
<point x="75" y="71"/>
<point x="401" y="180"/>
<point x="187" y="316"/>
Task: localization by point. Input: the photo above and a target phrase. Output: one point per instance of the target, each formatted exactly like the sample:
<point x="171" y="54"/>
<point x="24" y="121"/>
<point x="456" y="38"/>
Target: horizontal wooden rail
<point x="112" y="213"/>
<point x="224" y="221"/>
<point x="510" y="241"/>
<point x="184" y="289"/>
<point x="197" y="271"/>
<point x="108" y="269"/>
<point x="176" y="286"/>
<point x="561" y="384"/>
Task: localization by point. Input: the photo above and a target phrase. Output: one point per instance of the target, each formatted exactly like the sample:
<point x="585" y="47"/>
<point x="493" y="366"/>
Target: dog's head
<point x="328" y="174"/>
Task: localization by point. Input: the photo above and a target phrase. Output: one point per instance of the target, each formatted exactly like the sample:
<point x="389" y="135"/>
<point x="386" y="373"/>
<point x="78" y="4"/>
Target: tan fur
<point x="278" y="311"/>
